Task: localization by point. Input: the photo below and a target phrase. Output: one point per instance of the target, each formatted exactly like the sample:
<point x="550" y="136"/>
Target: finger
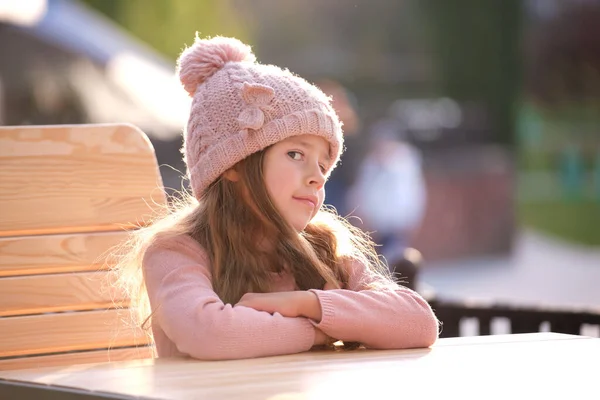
<point x="248" y="304"/>
<point x="248" y="297"/>
<point x="246" y="300"/>
<point x="255" y="303"/>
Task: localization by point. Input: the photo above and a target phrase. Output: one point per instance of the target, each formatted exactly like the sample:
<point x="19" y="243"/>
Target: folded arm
<point x="394" y="317"/>
<point x="199" y="324"/>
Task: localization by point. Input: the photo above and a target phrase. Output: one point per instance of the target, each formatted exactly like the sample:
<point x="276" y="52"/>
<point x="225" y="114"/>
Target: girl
<point x="251" y="265"/>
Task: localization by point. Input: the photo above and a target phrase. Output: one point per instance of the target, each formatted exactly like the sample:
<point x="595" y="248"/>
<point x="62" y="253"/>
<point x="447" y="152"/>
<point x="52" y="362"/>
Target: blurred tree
<point x="476" y="45"/>
<point x="564" y="56"/>
<point x="169" y="25"/>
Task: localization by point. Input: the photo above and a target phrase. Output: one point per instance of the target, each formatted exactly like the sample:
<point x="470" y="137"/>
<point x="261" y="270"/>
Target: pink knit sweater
<point x="190" y="319"/>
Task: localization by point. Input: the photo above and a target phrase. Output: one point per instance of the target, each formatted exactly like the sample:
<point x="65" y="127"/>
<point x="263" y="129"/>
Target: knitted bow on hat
<point x="257" y="97"/>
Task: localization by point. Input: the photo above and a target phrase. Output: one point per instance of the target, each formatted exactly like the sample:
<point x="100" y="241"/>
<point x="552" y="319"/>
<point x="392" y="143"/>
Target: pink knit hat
<point x="240" y="107"/>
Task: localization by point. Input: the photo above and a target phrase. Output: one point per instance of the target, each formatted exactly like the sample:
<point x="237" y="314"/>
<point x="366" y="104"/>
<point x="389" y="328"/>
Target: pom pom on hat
<point x="206" y="56"/>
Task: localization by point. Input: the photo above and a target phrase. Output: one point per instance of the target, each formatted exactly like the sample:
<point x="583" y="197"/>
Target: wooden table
<point x="540" y="365"/>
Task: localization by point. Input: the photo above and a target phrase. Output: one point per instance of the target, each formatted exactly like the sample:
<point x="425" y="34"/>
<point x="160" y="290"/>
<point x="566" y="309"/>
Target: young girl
<point x="251" y="265"/>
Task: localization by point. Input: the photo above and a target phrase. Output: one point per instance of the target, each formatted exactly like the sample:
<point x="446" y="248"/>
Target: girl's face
<point x="295" y="172"/>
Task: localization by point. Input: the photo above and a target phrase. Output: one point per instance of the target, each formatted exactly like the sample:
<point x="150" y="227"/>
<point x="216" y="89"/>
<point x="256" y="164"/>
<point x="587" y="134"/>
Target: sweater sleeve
<point x="199" y="324"/>
<point x="394" y="317"/>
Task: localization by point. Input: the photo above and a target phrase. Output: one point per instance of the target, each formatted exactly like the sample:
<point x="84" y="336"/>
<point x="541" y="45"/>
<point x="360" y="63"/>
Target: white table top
<point x="538" y="365"/>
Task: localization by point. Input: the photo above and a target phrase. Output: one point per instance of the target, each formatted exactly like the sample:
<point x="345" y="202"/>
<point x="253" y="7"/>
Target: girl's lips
<point x="307" y="200"/>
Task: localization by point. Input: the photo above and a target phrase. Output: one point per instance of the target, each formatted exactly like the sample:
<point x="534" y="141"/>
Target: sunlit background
<point x="496" y="101"/>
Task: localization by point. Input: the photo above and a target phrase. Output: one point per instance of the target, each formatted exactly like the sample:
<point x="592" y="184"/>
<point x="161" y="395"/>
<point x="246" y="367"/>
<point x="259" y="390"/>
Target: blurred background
<point x="474" y="125"/>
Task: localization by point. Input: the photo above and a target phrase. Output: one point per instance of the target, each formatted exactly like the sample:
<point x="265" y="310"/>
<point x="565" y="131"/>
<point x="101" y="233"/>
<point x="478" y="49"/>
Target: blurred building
<point x="63" y="63"/>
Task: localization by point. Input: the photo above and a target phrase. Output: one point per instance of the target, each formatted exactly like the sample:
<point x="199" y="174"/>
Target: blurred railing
<point x="453" y="314"/>
<point x="462" y="318"/>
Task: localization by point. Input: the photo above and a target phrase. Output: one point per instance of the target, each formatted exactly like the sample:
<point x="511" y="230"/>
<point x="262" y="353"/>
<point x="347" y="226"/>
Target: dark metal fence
<point x="521" y="319"/>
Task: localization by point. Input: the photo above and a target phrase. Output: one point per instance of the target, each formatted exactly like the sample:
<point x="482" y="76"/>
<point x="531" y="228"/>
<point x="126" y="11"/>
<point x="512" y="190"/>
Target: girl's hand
<point x="285" y="303"/>
<point x="298" y="303"/>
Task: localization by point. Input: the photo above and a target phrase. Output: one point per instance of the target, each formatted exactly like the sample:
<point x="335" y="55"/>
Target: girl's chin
<point x="300" y="222"/>
<point x="299" y="227"/>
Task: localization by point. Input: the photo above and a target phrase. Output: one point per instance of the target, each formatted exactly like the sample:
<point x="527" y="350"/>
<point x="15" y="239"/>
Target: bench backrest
<point x="68" y="194"/>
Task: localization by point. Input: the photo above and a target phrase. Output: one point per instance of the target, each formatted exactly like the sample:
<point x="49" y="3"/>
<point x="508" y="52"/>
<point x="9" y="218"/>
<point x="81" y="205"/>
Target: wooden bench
<point x="67" y="195"/>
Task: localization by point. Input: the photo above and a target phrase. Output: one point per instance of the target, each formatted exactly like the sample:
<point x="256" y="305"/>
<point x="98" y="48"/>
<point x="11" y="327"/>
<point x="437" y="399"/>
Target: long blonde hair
<point x="226" y="222"/>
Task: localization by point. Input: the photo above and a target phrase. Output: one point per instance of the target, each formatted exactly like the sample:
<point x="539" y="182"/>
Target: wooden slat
<point x="54" y="333"/>
<point x="25" y="255"/>
<point x="59" y="292"/>
<point x="76" y="178"/>
<point x="86" y="357"/>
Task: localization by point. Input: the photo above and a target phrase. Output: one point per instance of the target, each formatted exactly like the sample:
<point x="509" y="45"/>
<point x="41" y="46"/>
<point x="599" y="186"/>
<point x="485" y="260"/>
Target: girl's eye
<point x="323" y="169"/>
<point x="295" y="155"/>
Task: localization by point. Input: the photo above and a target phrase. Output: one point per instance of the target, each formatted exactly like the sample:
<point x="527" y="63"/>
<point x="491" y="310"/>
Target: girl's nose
<point x="316" y="178"/>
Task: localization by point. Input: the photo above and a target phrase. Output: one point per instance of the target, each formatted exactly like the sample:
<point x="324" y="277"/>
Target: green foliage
<point x="576" y="221"/>
<point x="476" y="45"/>
<point x="170" y="25"/>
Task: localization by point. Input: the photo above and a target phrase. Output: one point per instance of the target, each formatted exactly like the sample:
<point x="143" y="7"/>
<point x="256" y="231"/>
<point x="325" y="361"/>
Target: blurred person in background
<point x="390" y="190"/>
<point x="342" y="178"/>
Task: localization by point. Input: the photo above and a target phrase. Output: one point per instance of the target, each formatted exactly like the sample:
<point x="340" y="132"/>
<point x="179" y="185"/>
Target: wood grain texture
<point x="87" y="357"/>
<point x="76" y="178"/>
<point x="44" y="254"/>
<point x="502" y="369"/>
<point x="61" y="332"/>
<point x="67" y="195"/>
<point x="59" y="292"/>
